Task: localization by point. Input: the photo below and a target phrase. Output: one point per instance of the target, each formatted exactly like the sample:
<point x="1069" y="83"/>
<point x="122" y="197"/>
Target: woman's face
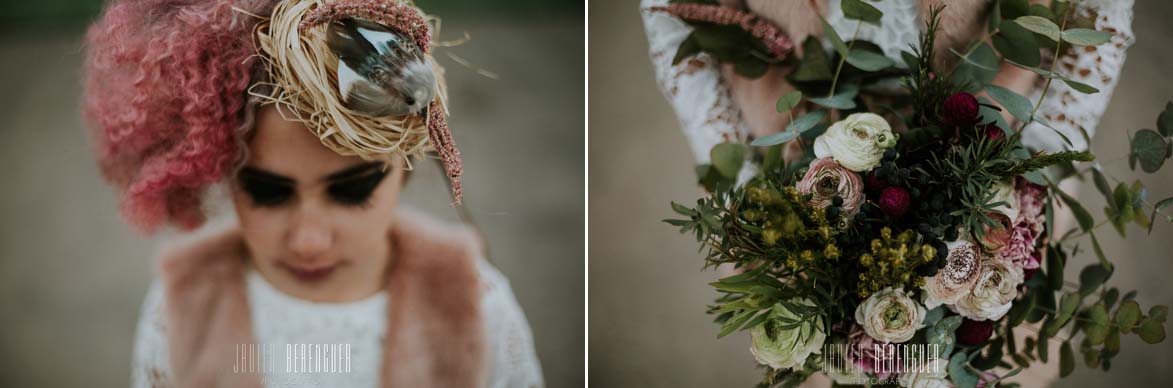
<point x="315" y="222"/>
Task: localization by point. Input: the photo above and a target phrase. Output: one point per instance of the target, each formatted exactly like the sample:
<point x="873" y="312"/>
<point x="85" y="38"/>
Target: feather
<point x="380" y="72"/>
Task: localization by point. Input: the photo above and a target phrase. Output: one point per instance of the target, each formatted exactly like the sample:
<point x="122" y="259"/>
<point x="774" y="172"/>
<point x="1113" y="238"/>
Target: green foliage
<point x="859" y="10"/>
<point x="788" y="101"/>
<point x="728" y="158"/>
<point x="1150" y="149"/>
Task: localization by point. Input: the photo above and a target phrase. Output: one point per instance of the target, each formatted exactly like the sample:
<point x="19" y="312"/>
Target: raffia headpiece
<point x="303" y="75"/>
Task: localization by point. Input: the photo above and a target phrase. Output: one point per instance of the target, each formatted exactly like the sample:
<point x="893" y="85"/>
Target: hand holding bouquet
<point x="920" y="248"/>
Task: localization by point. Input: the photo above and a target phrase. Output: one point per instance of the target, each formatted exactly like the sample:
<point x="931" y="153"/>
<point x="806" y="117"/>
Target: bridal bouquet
<point x="914" y="244"/>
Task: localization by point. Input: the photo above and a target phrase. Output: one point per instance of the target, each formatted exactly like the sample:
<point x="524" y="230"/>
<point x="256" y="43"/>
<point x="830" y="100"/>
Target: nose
<point x="310" y="237"/>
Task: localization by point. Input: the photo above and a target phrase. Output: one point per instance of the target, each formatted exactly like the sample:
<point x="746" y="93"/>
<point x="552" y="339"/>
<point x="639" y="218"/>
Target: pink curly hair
<point x="166" y="98"/>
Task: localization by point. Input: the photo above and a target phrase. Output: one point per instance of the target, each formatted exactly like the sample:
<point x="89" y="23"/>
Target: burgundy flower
<point x="961" y="109"/>
<point x="975" y="333"/>
<point x="1029" y="273"/>
<point x="894" y="201"/>
<point x="874" y="184"/>
<point x="994" y="132"/>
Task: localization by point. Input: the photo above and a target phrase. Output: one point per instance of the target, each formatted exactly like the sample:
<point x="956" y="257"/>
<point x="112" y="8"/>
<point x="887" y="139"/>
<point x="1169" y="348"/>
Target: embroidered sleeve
<point x="149" y="366"/>
<point x="1067" y="110"/>
<point x="693" y="87"/>
<point x="512" y="359"/>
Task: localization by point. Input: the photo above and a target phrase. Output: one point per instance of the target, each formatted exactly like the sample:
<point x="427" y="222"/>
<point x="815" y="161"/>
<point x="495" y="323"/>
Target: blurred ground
<point x="72" y="276"/>
<point x="647" y="291"/>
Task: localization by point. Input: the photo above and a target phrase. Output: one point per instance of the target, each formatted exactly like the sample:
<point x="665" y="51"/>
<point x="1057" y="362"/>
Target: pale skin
<point x="318" y="242"/>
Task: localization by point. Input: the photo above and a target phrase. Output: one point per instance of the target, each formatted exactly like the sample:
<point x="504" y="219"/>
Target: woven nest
<point x="302" y="76"/>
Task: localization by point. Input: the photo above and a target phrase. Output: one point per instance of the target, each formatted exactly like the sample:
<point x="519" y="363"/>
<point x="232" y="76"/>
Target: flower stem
<point x="843" y="60"/>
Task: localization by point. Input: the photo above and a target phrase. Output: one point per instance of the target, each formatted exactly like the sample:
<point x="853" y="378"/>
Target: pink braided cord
<point x="441" y="138"/>
<point x="776" y="41"/>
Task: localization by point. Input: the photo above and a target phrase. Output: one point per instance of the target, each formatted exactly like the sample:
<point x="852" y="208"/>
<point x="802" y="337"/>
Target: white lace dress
<point x="280" y="319"/>
<point x="708" y="115"/>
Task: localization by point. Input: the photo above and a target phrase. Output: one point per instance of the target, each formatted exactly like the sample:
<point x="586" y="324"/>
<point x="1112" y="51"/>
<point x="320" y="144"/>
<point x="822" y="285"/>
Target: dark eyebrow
<point x="256" y="173"/>
<point x="353" y="171"/>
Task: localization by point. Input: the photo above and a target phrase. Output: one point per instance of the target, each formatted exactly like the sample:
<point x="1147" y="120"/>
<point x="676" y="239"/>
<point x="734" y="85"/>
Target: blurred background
<point x="648" y="327"/>
<point x="72" y="275"/>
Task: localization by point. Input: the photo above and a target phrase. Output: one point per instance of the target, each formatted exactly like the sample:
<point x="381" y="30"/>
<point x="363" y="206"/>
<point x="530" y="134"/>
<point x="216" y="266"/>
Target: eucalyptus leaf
<point x="727" y="158"/>
<point x="1096" y="329"/>
<point x="934" y="315"/>
<point x="815" y="65"/>
<point x="1080" y="87"/>
<point x="833" y="36"/>
<point x="807" y="121"/>
<point x="1066" y="359"/>
<point x="977" y="68"/>
<point x="1039" y="25"/>
<point x="1127" y="316"/>
<point x="843" y="100"/>
<point x="1150" y="149"/>
<point x="1091" y="278"/>
<point x="1067" y="305"/>
<point x="788" y="101"/>
<point x="868" y="61"/>
<point x="1018" y="105"/>
<point x="1017" y="44"/>
<point x="1086" y="222"/>
<point x="1165" y="120"/>
<point x="1101" y="182"/>
<point x="1013" y="9"/>
<point x="961" y="376"/>
<point x="793" y="131"/>
<point x="859" y="10"/>
<point x="1159" y="313"/>
<point x="1085" y="37"/>
<point x="1151" y="331"/>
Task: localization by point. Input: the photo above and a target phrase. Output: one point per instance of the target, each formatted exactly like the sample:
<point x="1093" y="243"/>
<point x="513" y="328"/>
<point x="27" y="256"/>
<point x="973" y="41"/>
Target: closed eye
<point x="356" y="191"/>
<point x="264" y="189"/>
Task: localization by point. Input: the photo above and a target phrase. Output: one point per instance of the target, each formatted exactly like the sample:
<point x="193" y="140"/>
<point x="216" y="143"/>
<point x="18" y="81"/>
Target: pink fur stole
<point x="435" y="335"/>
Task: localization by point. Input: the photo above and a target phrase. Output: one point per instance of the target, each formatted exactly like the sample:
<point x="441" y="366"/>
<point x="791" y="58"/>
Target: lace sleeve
<point x="703" y="104"/>
<point x="149" y="366"/>
<point x="1068" y="110"/>
<point x="513" y="362"/>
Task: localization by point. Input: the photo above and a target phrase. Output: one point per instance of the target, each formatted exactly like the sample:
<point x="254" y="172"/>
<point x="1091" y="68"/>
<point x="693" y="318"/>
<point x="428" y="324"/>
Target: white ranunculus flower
<point x="787" y="348"/>
<point x="890" y="316"/>
<point x="963" y="266"/>
<point x="856" y="142"/>
<point x="994" y="292"/>
<point x="932" y="374"/>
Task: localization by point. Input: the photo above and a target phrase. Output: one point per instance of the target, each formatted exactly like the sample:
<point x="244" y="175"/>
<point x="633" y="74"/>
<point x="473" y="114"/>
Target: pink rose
<point x="826" y="179"/>
<point x="894" y="201"/>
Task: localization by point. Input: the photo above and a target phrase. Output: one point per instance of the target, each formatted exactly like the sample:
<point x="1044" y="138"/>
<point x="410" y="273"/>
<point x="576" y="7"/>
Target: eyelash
<point x="352" y="193"/>
<point x="356" y="192"/>
<point x="266" y="194"/>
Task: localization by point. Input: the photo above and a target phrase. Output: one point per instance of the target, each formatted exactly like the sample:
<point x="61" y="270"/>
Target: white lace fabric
<point x="708" y="116"/>
<point x="280" y="319"/>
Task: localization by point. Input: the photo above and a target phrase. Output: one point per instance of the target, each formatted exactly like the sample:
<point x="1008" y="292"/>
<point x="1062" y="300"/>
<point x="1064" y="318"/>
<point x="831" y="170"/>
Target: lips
<point x="311" y="274"/>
